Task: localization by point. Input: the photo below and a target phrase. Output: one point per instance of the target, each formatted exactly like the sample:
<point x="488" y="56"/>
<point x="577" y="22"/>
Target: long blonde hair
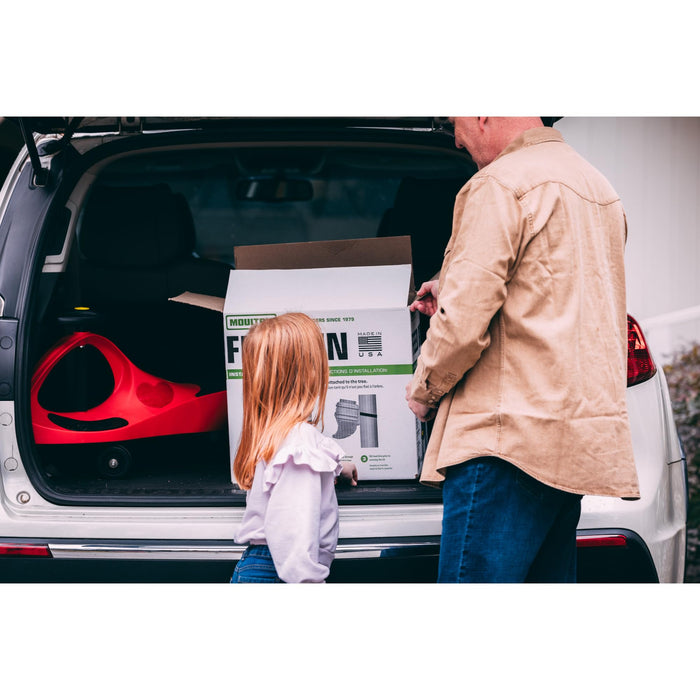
<point x="285" y="376"/>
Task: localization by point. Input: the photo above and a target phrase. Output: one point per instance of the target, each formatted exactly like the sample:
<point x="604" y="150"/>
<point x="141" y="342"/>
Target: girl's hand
<point x="349" y="474"/>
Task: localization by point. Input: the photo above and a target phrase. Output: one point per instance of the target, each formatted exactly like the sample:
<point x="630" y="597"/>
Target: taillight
<point x="640" y="366"/>
<point x="601" y="541"/>
<point x="13" y="549"/>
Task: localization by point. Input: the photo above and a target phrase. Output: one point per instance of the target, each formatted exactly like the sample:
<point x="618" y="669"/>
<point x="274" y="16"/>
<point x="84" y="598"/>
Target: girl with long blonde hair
<point x="284" y="462"/>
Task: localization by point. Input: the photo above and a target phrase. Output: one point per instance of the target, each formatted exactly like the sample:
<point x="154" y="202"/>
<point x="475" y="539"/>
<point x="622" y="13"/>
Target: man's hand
<point x="426" y="298"/>
<point x="422" y="412"/>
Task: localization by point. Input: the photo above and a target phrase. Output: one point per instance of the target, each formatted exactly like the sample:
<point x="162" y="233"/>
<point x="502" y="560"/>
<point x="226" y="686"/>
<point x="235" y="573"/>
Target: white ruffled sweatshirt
<point x="292" y="507"/>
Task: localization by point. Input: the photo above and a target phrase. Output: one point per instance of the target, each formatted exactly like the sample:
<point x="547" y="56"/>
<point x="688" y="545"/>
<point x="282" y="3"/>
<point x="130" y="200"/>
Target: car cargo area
<point x="139" y="228"/>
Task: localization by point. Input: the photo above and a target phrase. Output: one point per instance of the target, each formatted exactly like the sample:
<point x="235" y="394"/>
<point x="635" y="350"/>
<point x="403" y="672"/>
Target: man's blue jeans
<point x="502" y="526"/>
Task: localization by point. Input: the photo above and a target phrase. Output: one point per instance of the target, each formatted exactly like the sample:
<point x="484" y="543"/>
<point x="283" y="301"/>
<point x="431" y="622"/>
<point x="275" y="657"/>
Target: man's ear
<point x="482" y="122"/>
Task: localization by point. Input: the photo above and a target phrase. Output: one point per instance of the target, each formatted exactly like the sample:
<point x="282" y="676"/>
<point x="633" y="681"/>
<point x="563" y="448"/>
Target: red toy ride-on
<point x="140" y="405"/>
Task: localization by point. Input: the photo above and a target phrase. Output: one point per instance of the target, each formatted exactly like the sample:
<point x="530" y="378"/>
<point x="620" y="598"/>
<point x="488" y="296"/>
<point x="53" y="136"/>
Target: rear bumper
<point x="390" y="560"/>
<point x="604" y="556"/>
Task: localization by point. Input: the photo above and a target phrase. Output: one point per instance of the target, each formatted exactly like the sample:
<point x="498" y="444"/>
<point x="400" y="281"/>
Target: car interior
<point x="158" y="224"/>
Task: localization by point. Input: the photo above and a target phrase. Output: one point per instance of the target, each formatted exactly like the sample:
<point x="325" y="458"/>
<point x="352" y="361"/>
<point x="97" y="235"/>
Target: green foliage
<point x="683" y="377"/>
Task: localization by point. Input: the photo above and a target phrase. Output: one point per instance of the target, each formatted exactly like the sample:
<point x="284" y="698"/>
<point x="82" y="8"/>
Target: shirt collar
<point x="539" y="134"/>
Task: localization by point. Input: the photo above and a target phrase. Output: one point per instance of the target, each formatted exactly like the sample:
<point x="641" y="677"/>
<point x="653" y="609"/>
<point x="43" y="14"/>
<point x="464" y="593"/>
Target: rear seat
<point x="136" y="250"/>
<point x="423" y="210"/>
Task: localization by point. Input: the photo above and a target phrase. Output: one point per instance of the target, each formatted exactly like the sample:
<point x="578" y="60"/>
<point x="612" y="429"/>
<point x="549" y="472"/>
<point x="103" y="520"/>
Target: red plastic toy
<point x="140" y="406"/>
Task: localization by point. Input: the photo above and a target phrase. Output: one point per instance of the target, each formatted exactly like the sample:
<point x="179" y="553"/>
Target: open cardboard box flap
<point x="353" y="253"/>
<point x="356" y="252"/>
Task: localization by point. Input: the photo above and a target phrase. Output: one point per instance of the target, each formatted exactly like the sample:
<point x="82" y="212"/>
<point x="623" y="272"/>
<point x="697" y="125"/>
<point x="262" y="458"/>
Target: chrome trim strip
<point x="387" y="549"/>
<point x="143" y="551"/>
<point x="61" y="550"/>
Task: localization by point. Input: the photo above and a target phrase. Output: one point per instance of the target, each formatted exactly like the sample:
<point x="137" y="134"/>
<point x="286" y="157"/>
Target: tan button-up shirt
<point x="527" y="353"/>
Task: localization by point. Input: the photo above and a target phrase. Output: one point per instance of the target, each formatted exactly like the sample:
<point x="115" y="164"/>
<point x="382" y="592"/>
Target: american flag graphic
<point x="369" y="343"/>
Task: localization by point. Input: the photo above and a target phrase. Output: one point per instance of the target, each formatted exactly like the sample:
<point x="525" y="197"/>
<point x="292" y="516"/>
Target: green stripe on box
<point x="371" y="369"/>
<point x="349" y="371"/>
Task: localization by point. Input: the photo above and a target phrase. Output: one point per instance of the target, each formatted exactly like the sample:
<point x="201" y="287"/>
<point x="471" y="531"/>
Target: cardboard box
<point x="371" y="336"/>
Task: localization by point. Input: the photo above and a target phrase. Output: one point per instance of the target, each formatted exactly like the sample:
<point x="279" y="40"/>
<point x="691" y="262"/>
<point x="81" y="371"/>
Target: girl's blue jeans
<point x="256" y="566"/>
<point x="502" y="526"/>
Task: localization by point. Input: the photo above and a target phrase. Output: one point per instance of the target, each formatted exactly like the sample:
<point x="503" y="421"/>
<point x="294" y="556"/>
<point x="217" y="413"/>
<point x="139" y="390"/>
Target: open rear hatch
<point x="152" y="216"/>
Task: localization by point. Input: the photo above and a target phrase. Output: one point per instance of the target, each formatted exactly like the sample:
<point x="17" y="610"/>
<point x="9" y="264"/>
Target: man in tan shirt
<point x="525" y="358"/>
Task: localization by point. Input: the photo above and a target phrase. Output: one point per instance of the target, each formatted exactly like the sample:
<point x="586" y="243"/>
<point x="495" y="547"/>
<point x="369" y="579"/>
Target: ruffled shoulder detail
<point x="304" y="446"/>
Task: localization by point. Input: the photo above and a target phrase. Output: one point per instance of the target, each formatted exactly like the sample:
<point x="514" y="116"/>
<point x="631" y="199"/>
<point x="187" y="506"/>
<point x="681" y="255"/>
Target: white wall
<point x="654" y="164"/>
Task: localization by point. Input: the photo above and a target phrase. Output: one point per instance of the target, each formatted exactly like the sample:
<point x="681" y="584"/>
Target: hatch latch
<point x="130" y="125"/>
<point x="41" y="174"/>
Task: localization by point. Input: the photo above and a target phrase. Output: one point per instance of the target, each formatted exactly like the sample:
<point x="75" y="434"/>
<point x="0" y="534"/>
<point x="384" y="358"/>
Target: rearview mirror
<point x="274" y="189"/>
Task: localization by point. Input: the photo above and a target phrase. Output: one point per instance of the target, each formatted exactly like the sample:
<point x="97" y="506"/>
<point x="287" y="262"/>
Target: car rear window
<point x="242" y="196"/>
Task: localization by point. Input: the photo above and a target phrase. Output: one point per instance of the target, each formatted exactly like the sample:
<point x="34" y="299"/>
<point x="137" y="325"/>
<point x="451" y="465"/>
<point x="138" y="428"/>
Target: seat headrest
<point x="136" y="227"/>
<point x="420" y="202"/>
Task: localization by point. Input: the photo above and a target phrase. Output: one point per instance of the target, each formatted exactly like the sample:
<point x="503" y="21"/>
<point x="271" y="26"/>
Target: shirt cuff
<point x="427" y="392"/>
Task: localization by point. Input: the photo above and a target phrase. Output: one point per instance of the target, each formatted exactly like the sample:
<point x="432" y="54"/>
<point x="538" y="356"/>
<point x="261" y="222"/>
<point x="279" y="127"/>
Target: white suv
<point x="102" y="220"/>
